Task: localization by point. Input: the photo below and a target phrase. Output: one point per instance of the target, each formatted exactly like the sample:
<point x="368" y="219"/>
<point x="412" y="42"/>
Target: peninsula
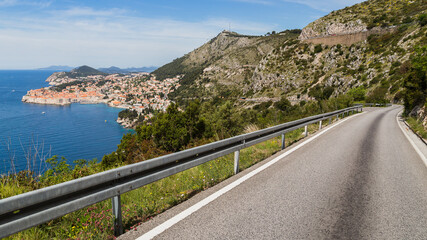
<point x="139" y="91"/>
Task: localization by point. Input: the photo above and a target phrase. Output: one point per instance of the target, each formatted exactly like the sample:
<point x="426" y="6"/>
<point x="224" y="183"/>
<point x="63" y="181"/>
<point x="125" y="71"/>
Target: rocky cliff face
<point x="127" y="123"/>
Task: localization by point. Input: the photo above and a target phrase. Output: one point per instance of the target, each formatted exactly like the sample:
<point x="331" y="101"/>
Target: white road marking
<point x="411" y="141"/>
<point x="169" y="223"/>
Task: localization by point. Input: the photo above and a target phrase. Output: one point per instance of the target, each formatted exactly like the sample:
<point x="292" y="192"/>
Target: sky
<point x="136" y="33"/>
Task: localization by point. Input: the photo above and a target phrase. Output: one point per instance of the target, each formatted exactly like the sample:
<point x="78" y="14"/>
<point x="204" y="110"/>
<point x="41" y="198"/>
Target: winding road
<point x="358" y="179"/>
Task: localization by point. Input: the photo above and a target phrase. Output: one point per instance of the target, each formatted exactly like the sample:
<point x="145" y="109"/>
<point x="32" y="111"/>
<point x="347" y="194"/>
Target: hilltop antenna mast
<point x="229" y="27"/>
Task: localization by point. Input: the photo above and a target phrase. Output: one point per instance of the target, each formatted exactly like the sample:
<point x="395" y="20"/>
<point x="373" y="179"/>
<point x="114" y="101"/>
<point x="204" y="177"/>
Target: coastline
<point x="68" y="101"/>
<point x="138" y="92"/>
<point x="124" y="122"/>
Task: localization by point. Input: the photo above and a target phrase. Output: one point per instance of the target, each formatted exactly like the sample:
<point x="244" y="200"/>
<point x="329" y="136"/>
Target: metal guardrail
<point x="30" y="209"/>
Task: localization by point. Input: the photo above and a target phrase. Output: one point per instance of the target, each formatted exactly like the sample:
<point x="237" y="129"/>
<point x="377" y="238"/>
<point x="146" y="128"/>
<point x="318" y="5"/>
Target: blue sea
<point x="30" y="133"/>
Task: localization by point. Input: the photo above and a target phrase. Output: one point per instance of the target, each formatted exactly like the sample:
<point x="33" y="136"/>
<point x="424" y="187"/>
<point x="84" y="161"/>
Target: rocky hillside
<point x="222" y="66"/>
<point x="368" y="15"/>
<point x="366" y="46"/>
<point x="299" y="69"/>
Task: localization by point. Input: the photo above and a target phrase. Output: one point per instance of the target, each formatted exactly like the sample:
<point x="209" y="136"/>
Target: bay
<point x="35" y="132"/>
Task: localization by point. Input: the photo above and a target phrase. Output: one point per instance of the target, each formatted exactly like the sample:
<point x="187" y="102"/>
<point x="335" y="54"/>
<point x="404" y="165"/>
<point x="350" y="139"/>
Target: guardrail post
<point x="236" y="161"/>
<point x="338" y="117"/>
<point x="330" y="120"/>
<point x="320" y="125"/>
<point x="283" y="141"/>
<point x="117" y="211"/>
<point x="306" y="130"/>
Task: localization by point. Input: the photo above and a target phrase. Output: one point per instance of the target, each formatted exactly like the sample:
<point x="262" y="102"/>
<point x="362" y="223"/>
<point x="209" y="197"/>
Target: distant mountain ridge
<point x="110" y="70"/>
<point x="57" y="68"/>
<point x="114" y="69"/>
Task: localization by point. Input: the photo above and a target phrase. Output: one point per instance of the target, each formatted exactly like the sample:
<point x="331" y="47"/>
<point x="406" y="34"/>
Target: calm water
<point x="76" y="131"/>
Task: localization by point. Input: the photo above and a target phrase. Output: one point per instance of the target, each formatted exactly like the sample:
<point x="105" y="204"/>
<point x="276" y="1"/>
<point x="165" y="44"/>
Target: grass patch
<point x="417" y="126"/>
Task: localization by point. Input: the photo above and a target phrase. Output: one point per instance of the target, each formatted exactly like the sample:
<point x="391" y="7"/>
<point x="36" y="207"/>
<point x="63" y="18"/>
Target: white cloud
<point x="6" y="3"/>
<point x="10" y="3"/>
<point x="99" y="38"/>
<point x="86" y="11"/>
<point x="326" y="5"/>
<point x="263" y="2"/>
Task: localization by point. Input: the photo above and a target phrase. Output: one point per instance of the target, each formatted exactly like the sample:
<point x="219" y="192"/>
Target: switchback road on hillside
<point x="359" y="180"/>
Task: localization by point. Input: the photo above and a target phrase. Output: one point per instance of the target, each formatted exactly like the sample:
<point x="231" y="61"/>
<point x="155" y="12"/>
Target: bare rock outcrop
<point x="319" y="28"/>
<point x="127" y="123"/>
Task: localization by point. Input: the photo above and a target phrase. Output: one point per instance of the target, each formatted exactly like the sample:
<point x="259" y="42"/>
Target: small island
<point x="138" y="92"/>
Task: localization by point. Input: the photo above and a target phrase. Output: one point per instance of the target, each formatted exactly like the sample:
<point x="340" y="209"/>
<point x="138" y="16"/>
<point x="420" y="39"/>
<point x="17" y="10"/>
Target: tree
<point x="321" y="92"/>
<point x="318" y="48"/>
<point x="415" y="83"/>
<point x="422" y="19"/>
<point x="358" y="94"/>
<point x="377" y="95"/>
<point x="169" y="130"/>
<point x="283" y="105"/>
<point x="226" y="121"/>
<point x="194" y="123"/>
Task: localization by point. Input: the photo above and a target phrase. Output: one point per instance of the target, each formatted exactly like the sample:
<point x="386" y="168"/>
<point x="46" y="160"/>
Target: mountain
<point x="223" y="66"/>
<point x="56" y="68"/>
<point x="112" y="70"/>
<point x="367" y="47"/>
<point x="83" y="71"/>
<point x="79" y="72"/>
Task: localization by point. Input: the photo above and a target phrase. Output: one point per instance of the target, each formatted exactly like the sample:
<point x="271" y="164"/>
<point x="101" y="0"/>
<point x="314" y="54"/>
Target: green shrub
<point x="318" y="48"/>
<point x="378" y="95"/>
<point x="422" y="19"/>
<point x="358" y="94"/>
<point x="321" y="92"/>
<point x="283" y="105"/>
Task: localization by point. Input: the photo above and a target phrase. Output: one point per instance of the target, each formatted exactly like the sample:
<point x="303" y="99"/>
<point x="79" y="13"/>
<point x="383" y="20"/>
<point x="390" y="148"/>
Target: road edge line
<point x="417" y="150"/>
<point x="182" y="215"/>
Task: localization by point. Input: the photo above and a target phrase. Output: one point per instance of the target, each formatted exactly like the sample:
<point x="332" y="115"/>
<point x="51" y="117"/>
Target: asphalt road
<point x="360" y="180"/>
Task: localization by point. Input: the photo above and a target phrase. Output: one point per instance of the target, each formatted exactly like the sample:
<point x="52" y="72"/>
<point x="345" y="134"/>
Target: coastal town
<point x="140" y="92"/>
